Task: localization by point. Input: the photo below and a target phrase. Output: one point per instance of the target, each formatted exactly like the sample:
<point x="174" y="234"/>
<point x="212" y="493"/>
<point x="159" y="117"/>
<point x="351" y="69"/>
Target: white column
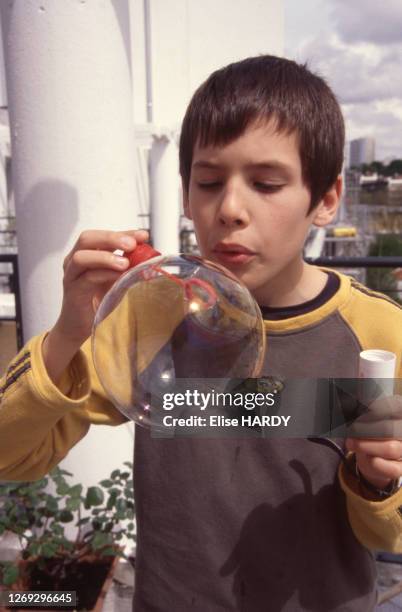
<point x="3" y="187"/>
<point x="70" y="99"/>
<point x="164" y="193"/>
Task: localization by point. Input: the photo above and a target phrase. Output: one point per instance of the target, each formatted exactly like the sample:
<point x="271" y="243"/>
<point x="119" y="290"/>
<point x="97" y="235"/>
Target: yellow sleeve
<point x="376" y="524"/>
<point x="39" y="422"/>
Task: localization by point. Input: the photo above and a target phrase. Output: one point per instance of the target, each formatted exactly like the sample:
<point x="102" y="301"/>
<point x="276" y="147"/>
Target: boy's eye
<point x="268" y="187"/>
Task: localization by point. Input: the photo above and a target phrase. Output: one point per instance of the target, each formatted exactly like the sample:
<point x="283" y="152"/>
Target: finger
<point x="385" y="407"/>
<point x="387" y="449"/>
<point x="382" y="420"/>
<point x="82" y="261"/>
<point x="381" y="429"/>
<point x="110" y="240"/>
<point x="99" y="277"/>
<point x="375" y="468"/>
<point x="92" y="281"/>
<point x="107" y="240"/>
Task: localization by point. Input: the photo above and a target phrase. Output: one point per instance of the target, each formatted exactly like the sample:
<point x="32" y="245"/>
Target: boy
<point x="236" y="524"/>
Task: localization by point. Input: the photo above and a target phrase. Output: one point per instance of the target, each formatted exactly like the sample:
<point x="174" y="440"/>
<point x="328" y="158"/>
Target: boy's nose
<point x="232" y="211"/>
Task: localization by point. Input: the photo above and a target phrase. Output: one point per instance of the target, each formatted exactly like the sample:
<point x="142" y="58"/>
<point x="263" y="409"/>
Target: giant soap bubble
<point x="172" y="319"/>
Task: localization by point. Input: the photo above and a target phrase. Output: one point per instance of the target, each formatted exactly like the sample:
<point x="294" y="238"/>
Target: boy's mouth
<point x="231" y="253"/>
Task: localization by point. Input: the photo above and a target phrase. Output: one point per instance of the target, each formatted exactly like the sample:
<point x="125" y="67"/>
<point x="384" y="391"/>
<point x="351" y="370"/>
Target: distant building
<point x="362" y="151"/>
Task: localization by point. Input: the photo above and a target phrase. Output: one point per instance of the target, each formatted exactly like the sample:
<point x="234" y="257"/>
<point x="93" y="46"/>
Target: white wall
<point x="190" y="39"/>
<point x="3" y="92"/>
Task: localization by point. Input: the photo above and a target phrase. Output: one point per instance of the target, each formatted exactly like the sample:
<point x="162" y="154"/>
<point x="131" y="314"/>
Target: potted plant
<point x="38" y="512"/>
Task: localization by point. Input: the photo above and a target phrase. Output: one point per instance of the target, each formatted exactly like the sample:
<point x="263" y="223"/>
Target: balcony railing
<point x="356" y="262"/>
<point x="328" y="262"/>
<point x="13" y="281"/>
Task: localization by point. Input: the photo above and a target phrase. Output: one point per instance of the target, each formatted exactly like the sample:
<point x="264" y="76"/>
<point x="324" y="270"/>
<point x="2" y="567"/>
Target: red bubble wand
<point x="144" y="251"/>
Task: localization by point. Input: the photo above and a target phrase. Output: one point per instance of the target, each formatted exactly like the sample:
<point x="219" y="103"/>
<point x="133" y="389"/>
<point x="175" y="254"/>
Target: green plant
<point x="382" y="279"/>
<point x="38" y="512"/>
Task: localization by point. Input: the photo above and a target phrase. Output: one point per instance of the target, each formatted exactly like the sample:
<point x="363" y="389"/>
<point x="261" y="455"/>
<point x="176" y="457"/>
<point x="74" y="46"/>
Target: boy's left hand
<point x="379" y="461"/>
<point x="376" y="440"/>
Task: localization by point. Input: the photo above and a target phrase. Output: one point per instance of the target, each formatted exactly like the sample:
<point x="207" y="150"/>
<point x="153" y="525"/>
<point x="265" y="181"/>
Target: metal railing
<point x="356" y="262"/>
<point x="328" y="262"/>
<point x="15" y="289"/>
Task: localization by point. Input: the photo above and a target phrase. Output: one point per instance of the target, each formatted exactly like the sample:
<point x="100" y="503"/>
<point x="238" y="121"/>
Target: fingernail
<point x="127" y="242"/>
<point x="122" y="262"/>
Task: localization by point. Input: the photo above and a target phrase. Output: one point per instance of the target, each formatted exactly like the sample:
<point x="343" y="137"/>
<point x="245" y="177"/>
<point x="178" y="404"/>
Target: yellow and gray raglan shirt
<point x="237" y="523"/>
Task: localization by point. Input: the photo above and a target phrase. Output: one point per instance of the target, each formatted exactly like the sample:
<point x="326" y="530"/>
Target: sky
<point x="356" y="45"/>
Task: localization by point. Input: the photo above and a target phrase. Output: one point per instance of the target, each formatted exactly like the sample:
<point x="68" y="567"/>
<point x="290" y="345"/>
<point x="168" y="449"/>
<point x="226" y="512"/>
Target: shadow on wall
<point x="57" y="202"/>
<point x="122" y="12"/>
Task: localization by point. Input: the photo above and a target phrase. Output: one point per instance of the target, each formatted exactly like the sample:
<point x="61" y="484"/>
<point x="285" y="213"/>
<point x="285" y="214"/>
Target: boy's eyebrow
<point x="264" y="165"/>
<point x="205" y="164"/>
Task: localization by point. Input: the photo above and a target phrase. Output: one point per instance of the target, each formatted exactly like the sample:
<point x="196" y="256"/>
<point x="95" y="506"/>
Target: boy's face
<point x="249" y="206"/>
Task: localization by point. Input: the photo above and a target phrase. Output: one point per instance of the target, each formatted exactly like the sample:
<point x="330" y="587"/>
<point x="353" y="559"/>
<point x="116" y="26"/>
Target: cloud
<point x="368" y="21"/>
<point x="358" y="74"/>
<point x="357" y="47"/>
<point x="366" y="79"/>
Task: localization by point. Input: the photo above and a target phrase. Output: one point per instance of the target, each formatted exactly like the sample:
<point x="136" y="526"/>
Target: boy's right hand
<point x="90" y="269"/>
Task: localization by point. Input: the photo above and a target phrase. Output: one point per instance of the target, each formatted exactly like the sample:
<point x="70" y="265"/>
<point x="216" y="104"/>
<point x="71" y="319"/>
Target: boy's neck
<point x="297" y="284"/>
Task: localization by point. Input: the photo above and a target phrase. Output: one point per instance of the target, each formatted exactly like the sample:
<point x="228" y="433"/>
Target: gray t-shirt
<point x="251" y="524"/>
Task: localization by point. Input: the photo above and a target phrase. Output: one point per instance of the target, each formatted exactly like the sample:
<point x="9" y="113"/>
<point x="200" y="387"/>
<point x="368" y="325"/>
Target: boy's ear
<point x="326" y="209"/>
<point x="186" y="205"/>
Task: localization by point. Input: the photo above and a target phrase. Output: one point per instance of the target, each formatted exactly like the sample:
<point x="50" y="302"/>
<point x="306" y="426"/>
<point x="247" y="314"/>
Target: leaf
<point x="99" y="540"/>
<point x="73" y="504"/>
<point x="111" y="502"/>
<point x="129" y="492"/>
<point x="33" y="548"/>
<point x="62" y="488"/>
<point x="83" y="521"/>
<point x="129" y="464"/>
<point x="121" y="505"/>
<point x="109" y="551"/>
<point x="75" y="491"/>
<point x="94" y="497"/>
<point x="106" y="483"/>
<point x="51" y="504"/>
<point x="10" y="574"/>
<point x="115" y="474"/>
<point x="57" y="529"/>
<point x="66" y="516"/>
<point x="49" y="549"/>
<point x="59" y="470"/>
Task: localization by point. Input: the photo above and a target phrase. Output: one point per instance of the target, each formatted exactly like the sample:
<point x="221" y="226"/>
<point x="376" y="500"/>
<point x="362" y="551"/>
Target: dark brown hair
<point x="263" y="88"/>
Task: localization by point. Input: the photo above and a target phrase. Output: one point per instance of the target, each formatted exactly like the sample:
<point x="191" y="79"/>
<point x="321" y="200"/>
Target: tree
<point x="395" y="167"/>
